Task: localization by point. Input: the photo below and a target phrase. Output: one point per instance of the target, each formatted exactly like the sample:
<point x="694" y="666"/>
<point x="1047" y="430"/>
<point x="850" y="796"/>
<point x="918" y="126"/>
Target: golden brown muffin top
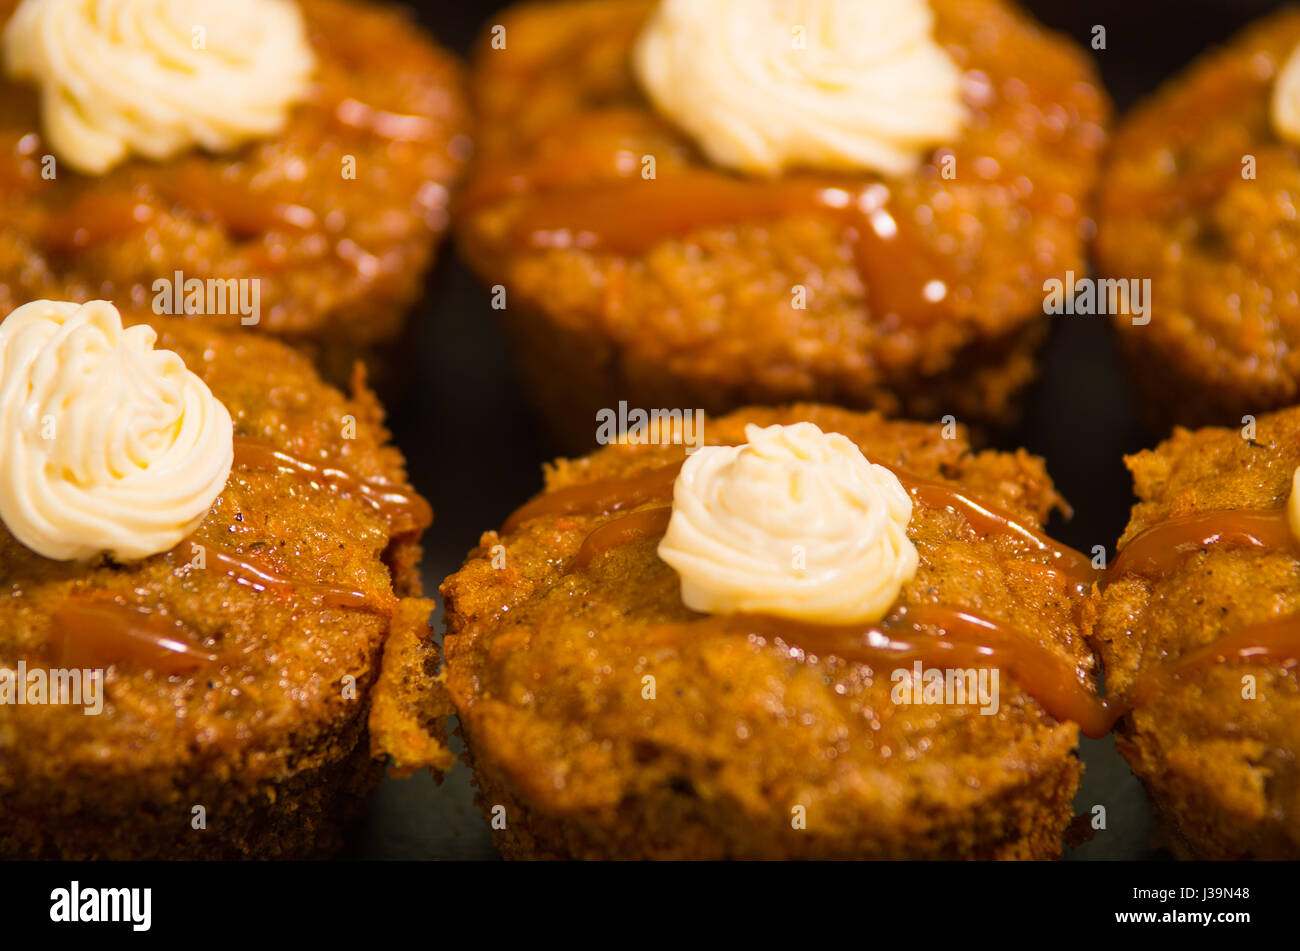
<point x="1203" y="729"/>
<point x="1199" y="198"/>
<point x="696" y="269"/>
<point x="547" y="664"/>
<point x="326" y="243"/>
<point x="270" y="701"/>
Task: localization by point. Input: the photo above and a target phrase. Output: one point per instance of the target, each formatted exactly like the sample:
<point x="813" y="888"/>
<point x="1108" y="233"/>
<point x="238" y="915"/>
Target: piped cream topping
<point x="157" y="77"/>
<point x="106" y="444"/>
<point x="795" y="523"/>
<point x="1285" y="106"/>
<point x="764" y="85"/>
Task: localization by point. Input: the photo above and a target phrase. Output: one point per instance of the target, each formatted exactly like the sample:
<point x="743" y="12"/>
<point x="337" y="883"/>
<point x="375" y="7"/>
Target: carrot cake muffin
<point x="705" y="203"/>
<point x="1199" y="199"/>
<point x="736" y="657"/>
<point x="1199" y="628"/>
<point x="211" y="613"/>
<point x="277" y="165"/>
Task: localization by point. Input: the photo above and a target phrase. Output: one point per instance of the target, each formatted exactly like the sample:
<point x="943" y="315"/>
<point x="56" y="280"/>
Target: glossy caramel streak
<point x="937" y="637"/>
<point x="247" y="571"/>
<point x="988" y="519"/>
<point x="96" y="217"/>
<point x="647" y="523"/>
<point x="904" y="277"/>
<point x="1158" y="550"/>
<point x="394" y="126"/>
<point x="605" y="496"/>
<point x="403" y="509"/>
<point x="95" y="632"/>
<point x="1277" y="640"/>
<point x="599" y="497"/>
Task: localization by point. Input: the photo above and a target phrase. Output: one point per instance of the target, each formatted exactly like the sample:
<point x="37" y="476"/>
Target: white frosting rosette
<point x="1285" y="105"/>
<point x="796" y="523"/>
<point x="156" y="77"/>
<point x="106" y="444"/>
<point x="763" y="85"/>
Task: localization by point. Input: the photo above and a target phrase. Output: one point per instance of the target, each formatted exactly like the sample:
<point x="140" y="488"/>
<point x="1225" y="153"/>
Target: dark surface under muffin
<point x="339" y="258"/>
<point x="1219" y="247"/>
<point x="685" y="297"/>
<point x="545" y="664"/>
<point x="1220" y="768"/>
<point x="266" y="739"/>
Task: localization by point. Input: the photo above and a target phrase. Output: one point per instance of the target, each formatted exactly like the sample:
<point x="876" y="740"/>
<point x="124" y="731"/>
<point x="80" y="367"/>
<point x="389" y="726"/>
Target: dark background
<point x="476" y="453"/>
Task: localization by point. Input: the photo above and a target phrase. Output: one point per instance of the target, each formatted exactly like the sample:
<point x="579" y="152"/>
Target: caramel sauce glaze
<point x="605" y="496"/>
<point x="1276" y="640"/>
<point x="97" y="630"/>
<point x="403" y="509"/>
<point x="249" y="571"/>
<point x="948" y="637"/>
<point x="938" y="637"/>
<point x="903" y="276"/>
<point x="123" y="204"/>
<point x="647" y="523"/>
<point x="1158" y="550"/>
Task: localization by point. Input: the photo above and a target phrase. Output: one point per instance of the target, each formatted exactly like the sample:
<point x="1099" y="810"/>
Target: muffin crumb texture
<point x="604" y="740"/>
<point x="693" y="287"/>
<point x="304" y="584"/>
<point x="1219" y="765"/>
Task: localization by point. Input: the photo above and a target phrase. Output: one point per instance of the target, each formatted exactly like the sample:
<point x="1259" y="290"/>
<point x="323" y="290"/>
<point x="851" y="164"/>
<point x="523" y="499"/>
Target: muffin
<point x="290" y="174"/>
<point x="667" y="217"/>
<point x="718" y="659"/>
<point x="1198" y="201"/>
<point x="1199" y="632"/>
<point x="212" y="631"/>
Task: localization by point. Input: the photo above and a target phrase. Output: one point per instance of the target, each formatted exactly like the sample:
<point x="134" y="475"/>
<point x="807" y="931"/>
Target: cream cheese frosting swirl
<point x="106" y="444"/>
<point x="1285" y="106"/>
<point x="764" y="85"/>
<point x="796" y="523"/>
<point x="156" y="77"/>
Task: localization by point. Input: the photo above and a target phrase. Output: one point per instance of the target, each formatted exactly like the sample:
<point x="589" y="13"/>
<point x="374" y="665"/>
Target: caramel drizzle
<point x="393" y="126"/>
<point x="606" y="496"/>
<point x="402" y="508"/>
<point x="1158" y="550"/>
<point x="99" y="631"/>
<point x="103" y="214"/>
<point x="964" y="640"/>
<point x="249" y="572"/>
<point x="1277" y="639"/>
<point x="646" y="523"/>
<point x="600" y="497"/>
<point x="903" y="277"/>
<point x="967" y="639"/>
<point x="91" y="631"/>
<point x="987" y="519"/>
